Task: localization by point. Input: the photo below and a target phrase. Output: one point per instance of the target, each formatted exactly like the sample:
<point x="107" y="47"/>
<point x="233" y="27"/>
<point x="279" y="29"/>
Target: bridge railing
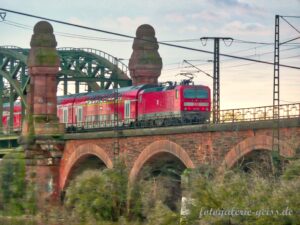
<point x="10" y="47"/>
<point x="286" y="111"/>
<point x="10" y="131"/>
<point x="263" y="113"/>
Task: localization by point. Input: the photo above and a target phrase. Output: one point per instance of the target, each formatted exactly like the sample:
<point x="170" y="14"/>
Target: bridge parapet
<point x="228" y="116"/>
<point x="259" y="113"/>
<point x="187" y="129"/>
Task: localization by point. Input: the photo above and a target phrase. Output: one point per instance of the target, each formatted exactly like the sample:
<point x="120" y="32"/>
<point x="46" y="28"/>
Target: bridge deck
<point x="293" y="122"/>
<point x="9" y="137"/>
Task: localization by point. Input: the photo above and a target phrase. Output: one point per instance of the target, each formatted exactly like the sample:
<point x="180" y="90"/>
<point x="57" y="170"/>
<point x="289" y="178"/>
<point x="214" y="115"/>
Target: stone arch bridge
<point x="220" y="145"/>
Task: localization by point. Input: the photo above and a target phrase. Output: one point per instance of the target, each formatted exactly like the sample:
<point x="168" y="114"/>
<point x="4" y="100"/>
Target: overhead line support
<point x="276" y="99"/>
<point x="216" y="76"/>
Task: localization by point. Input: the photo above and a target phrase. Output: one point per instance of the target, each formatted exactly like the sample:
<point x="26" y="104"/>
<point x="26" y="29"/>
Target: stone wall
<point x="218" y="148"/>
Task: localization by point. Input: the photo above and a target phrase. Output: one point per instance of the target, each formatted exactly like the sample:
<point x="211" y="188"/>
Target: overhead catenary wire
<point x="293" y="39"/>
<point x="290" y="24"/>
<point x="64" y="34"/>
<point x="132" y="37"/>
<point x="266" y="43"/>
<point x="233" y="66"/>
<point x="253" y="55"/>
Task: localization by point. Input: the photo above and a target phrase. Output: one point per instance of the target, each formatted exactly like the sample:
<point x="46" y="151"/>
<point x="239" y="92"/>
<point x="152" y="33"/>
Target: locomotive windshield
<point x="195" y="93"/>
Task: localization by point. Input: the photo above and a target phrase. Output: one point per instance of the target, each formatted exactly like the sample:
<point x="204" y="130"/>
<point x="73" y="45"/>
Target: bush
<point x="16" y="196"/>
<point x="99" y="195"/>
<point x="105" y="197"/>
<point x="13" y="186"/>
<point x="261" y="200"/>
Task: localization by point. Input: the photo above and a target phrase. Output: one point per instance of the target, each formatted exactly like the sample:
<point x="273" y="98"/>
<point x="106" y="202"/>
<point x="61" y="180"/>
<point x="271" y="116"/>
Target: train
<point x="142" y="105"/>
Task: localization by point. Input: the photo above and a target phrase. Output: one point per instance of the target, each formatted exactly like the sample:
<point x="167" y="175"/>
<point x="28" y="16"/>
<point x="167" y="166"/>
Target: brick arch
<point x="160" y="147"/>
<point x="260" y="142"/>
<point x="84" y="150"/>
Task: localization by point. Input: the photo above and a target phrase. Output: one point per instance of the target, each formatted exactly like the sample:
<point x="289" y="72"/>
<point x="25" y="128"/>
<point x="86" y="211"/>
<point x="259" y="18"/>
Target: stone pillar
<point x="145" y="63"/>
<point x="42" y="133"/>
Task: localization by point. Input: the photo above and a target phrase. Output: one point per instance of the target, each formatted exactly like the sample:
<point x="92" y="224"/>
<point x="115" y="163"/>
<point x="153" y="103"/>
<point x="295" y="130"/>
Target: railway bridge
<point x="54" y="157"/>
<point x="220" y="145"/>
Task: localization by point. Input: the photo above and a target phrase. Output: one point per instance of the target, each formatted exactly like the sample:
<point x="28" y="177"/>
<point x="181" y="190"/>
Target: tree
<point x="13" y="185"/>
<point x="100" y="195"/>
<point x="241" y="198"/>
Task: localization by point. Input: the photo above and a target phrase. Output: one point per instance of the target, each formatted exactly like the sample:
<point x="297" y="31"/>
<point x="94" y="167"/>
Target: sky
<point x="242" y="83"/>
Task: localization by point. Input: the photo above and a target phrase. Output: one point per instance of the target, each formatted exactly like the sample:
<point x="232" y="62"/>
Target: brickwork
<point x="218" y="148"/>
<point x="145" y="63"/>
<point x="42" y="133"/>
<point x="75" y="152"/>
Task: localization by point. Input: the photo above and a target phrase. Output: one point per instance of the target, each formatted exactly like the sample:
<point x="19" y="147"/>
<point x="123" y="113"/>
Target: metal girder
<point x="96" y="65"/>
<point x="276" y="101"/>
<point x="276" y="87"/>
<point x="92" y="79"/>
<point x="216" y="81"/>
<point x="95" y="68"/>
<point x="14" y="84"/>
<point x="216" y="76"/>
<point x="13" y="61"/>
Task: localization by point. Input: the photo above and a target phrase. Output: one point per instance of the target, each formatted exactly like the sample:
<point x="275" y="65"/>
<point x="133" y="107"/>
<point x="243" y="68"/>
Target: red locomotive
<point x="132" y="106"/>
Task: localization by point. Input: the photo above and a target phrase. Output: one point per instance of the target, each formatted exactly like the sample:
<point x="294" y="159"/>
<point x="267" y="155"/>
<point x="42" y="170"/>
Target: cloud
<point x="130" y="23"/>
<point x="77" y="21"/>
<point x="238" y="7"/>
<point x="191" y="28"/>
<point x="210" y="15"/>
<point x="246" y="28"/>
<point x="233" y="3"/>
<point x="175" y="17"/>
<point x="123" y="24"/>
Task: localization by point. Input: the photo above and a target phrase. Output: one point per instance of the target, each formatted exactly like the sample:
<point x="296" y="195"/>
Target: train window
<point x="195" y="93"/>
<point x="127" y="109"/>
<point x="65" y="115"/>
<point x="176" y="93"/>
<point x="140" y="98"/>
<point x="79" y="114"/>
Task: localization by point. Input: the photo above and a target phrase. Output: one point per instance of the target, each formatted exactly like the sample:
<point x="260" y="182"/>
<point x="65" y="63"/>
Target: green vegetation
<point x="106" y="197"/>
<point x="242" y="198"/>
<point x="16" y="198"/>
<point x="99" y="195"/>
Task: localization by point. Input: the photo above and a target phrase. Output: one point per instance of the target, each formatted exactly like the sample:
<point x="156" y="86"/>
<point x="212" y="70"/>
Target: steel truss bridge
<point x="92" y="68"/>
